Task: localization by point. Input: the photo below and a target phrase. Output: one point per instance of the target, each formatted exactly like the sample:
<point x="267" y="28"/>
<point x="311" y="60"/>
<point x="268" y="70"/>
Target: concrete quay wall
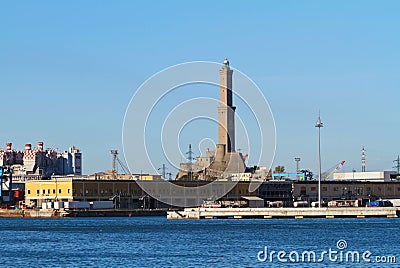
<point x="269" y="213"/>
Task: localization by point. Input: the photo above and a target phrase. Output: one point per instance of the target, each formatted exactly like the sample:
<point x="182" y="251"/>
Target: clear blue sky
<point x="68" y="70"/>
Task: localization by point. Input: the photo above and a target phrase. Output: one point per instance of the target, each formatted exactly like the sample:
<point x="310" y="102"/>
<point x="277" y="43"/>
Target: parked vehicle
<point x="275" y="204"/>
<point x="343" y="203"/>
<point x="300" y="204"/>
<point x="316" y="204"/>
<point x="380" y="203"/>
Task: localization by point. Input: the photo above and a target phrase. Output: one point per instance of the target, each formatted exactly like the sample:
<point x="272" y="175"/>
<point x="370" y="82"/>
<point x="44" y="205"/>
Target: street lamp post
<point x="319" y="125"/>
<point x="239" y="175"/>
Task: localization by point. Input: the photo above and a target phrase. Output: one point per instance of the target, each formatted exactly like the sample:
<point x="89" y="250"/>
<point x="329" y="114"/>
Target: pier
<point x="277" y="213"/>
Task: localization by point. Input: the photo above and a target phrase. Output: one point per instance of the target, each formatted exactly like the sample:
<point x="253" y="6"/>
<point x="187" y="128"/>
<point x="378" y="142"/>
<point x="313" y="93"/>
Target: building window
<point x="59" y="191"/>
<point x="44" y="191"/>
<point x="48" y="191"/>
<point x="69" y="191"/>
<point x="313" y="188"/>
<point x="324" y="188"/>
<point x="303" y="191"/>
<point x="336" y="188"/>
<point x="29" y="191"/>
<point x="37" y="191"/>
<point x="54" y="191"/>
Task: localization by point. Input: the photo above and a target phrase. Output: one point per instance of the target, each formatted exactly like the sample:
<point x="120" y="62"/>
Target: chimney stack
<point x="28" y="146"/>
<point x="9" y="146"/>
<point x="40" y="146"/>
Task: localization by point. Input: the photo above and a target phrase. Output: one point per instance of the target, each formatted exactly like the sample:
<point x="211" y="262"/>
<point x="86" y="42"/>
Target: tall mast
<point x="319" y="125"/>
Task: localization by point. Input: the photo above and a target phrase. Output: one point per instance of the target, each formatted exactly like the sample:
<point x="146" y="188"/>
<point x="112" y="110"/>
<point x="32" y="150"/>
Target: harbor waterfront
<point x="124" y="197"/>
<point x="45" y="183"/>
<point x="53" y="213"/>
<point x="210" y="134"/>
<point x="157" y="242"/>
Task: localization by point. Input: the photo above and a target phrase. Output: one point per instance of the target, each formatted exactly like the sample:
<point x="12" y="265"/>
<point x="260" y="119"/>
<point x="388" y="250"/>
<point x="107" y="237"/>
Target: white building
<point x="71" y="162"/>
<point x="378" y="176"/>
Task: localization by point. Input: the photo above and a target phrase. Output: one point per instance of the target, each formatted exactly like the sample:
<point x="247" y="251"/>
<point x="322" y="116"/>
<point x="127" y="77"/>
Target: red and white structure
<point x="42" y="162"/>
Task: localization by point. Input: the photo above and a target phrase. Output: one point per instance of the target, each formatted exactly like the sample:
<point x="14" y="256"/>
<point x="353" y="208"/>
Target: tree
<point x="279" y="169"/>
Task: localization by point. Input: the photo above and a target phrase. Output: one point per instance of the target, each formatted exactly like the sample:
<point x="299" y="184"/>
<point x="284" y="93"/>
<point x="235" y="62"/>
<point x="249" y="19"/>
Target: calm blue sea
<point x="156" y="242"/>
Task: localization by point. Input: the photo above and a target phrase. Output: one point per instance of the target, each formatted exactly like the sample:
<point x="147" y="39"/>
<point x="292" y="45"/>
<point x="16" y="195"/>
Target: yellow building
<point x="125" y="193"/>
<point x="39" y="191"/>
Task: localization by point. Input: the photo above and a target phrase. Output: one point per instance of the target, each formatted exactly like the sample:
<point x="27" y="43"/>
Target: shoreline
<point x="52" y="213"/>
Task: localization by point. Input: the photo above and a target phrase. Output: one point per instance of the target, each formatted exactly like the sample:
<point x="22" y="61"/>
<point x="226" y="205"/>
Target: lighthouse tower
<point x="226" y="112"/>
<point x="227" y="161"/>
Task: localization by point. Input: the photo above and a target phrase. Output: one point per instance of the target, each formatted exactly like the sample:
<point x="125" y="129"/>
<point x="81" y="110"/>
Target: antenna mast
<point x="363" y="163"/>
<point x="397" y="166"/>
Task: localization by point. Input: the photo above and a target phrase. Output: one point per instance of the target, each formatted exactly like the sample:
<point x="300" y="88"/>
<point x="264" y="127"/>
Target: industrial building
<point x="41" y="163"/>
<point x="350" y="190"/>
<point x="33" y="164"/>
<point x="198" y="167"/>
<point x="126" y="193"/>
<point x="98" y="187"/>
<point x="129" y="193"/>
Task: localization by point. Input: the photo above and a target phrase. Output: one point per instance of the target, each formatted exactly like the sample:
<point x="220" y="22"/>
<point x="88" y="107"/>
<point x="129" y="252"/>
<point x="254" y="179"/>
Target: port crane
<point x="326" y="175"/>
<point x="115" y="162"/>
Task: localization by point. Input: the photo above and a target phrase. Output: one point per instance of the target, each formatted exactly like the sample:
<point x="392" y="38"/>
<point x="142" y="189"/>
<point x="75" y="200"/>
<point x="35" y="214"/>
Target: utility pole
<point x="239" y="174"/>
<point x="319" y="125"/>
<point x="163" y="168"/>
<point x="190" y="158"/>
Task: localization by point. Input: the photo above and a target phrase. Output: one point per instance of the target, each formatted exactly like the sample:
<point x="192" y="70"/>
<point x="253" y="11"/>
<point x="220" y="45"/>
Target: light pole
<point x="319" y="125"/>
<point x="297" y="160"/>
<point x="239" y="175"/>
<point x="56" y="197"/>
<point x="163" y="168"/>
